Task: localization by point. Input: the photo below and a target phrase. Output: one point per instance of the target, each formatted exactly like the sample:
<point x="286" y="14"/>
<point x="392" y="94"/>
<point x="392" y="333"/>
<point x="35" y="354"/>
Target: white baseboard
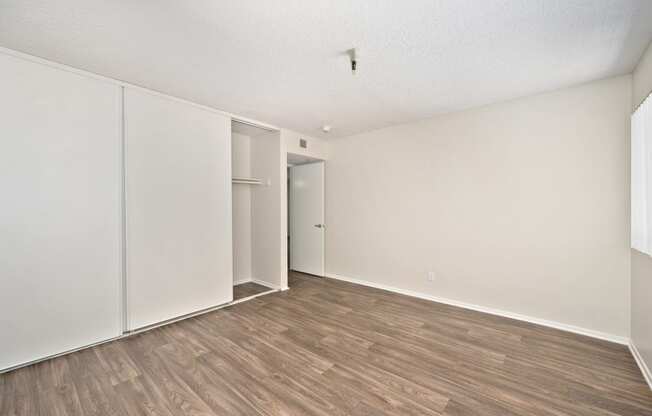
<point x="552" y="324"/>
<point x="258" y="281"/>
<point x="266" y="284"/>
<point x="242" y="280"/>
<point x="641" y="363"/>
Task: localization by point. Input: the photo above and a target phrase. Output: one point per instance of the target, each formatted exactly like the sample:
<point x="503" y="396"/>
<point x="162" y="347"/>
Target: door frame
<point x="291" y="218"/>
<point x="288" y="154"/>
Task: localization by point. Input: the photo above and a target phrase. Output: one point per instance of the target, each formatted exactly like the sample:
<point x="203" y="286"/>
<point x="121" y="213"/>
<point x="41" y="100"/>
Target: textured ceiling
<point x="283" y="62"/>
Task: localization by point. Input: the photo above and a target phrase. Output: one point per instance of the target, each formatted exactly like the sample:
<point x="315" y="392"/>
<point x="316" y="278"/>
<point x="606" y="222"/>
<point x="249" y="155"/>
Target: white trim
<point x="241" y="281"/>
<point x="643" y="253"/>
<point x="81" y="72"/>
<point x="124" y="300"/>
<point x="552" y="324"/>
<point x="267" y="292"/>
<point x="647" y="374"/>
<point x="266" y="284"/>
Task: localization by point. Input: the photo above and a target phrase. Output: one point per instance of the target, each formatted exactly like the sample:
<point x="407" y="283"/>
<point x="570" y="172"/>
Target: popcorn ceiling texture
<point x="284" y="62"/>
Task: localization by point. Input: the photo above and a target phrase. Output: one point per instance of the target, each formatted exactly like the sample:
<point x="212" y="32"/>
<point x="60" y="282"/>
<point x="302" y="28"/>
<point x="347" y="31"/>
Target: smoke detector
<point x="326" y="128"/>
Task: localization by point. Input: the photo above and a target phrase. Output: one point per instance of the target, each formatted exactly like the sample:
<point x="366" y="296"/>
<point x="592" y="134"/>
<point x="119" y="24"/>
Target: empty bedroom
<point x="326" y="207"/>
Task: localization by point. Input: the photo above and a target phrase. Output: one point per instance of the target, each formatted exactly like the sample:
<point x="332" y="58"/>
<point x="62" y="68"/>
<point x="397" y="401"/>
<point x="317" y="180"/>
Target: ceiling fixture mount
<point x="326" y="128"/>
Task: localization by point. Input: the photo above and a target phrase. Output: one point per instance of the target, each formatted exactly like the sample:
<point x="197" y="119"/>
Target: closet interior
<point x="252" y="165"/>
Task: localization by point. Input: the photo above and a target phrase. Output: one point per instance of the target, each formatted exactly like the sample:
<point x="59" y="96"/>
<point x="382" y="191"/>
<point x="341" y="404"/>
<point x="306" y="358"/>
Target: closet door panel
<point x="178" y="175"/>
<point x="60" y="216"/>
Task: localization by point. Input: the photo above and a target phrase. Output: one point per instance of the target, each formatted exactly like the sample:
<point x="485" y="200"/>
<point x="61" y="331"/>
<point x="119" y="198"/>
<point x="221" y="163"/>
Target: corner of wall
<point x="640" y="263"/>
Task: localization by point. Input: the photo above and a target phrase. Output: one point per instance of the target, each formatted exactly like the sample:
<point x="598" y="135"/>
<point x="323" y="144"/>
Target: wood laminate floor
<point x="331" y="348"/>
<point x="244" y="290"/>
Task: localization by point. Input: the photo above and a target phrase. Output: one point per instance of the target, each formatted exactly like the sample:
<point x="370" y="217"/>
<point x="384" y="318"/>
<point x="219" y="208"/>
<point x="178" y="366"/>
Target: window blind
<point x="641" y="177"/>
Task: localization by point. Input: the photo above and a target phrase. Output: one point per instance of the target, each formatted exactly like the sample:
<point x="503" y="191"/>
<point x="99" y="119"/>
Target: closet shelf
<point x="248" y="181"/>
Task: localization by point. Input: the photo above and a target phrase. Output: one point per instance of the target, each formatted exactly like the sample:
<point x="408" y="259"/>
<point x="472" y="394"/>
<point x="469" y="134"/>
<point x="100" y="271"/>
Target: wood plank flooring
<point x="244" y="290"/>
<point x="332" y="348"/>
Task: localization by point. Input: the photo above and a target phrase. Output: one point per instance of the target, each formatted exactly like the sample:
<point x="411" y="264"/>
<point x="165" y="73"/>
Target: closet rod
<point x="248" y="181"/>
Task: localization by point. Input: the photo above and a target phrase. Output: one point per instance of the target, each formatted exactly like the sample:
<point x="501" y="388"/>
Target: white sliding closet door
<point x="178" y="175"/>
<point x="60" y="216"/>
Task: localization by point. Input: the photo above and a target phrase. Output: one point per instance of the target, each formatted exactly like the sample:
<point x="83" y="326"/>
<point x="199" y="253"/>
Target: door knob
<point x="319" y="225"/>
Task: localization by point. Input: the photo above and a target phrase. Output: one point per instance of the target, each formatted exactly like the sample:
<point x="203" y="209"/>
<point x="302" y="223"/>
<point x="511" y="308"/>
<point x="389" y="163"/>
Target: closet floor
<point x="327" y="347"/>
<point x="244" y="290"/>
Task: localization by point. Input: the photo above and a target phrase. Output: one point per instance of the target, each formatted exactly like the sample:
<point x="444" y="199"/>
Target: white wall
<point x="267" y="261"/>
<point x="641" y="263"/>
<point x="241" y="166"/>
<point x="315" y="148"/>
<point x="520" y="206"/>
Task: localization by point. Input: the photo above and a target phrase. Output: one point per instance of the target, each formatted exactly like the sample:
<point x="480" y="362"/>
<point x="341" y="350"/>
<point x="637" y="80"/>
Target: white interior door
<point x="307" y="218"/>
<point x="61" y="215"/>
<point x="178" y="176"/>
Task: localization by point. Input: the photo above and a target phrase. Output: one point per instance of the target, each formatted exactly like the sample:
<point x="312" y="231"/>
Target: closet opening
<point x="254" y="155"/>
<point x="305" y="202"/>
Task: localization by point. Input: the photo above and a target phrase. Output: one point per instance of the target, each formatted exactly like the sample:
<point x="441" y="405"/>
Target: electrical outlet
<point x="431" y="276"/>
